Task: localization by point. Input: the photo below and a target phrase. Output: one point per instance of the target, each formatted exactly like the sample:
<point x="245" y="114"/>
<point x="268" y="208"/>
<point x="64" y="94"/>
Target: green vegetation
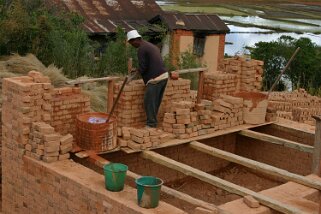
<point x="305" y="70"/>
<point x="55" y="37"/>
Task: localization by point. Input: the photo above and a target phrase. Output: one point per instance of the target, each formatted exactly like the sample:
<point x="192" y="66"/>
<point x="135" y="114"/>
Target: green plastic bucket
<point x="148" y="191"/>
<point x="115" y="174"/>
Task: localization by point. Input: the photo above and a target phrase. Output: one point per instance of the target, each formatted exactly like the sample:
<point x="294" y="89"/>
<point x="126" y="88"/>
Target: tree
<point x="304" y="70"/>
<point x="27" y="26"/>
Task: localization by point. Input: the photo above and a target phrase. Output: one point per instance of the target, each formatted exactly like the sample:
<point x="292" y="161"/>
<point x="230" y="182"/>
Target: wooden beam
<point x="110" y="95"/>
<point x="77" y="82"/>
<point x="265" y="168"/>
<point x="100" y="162"/>
<point x="193" y="70"/>
<point x="200" y="86"/>
<point x="317" y="146"/>
<point x="277" y="140"/>
<point x="218" y="182"/>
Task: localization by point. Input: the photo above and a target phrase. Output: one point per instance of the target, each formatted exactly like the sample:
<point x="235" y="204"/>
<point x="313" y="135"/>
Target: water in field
<point x="242" y="36"/>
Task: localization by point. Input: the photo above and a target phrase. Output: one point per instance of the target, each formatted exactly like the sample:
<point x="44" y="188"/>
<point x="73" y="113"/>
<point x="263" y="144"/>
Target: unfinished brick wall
<point x="31" y="186"/>
<point x="182" y="153"/>
<point x="233" y="75"/>
<point x="292" y="133"/>
<point x="130" y="109"/>
<point x="285" y="158"/>
<point x="297" y="105"/>
<point x="67" y="103"/>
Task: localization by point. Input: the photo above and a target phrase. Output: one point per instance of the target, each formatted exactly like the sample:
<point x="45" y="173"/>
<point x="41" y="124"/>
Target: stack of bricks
<point x="140" y="139"/>
<point x="297" y="105"/>
<point x="234" y="75"/>
<point x="217" y="83"/>
<point x="232" y="108"/>
<point x="67" y="103"/>
<point x="187" y="120"/>
<point x="251" y="75"/>
<point x="130" y="108"/>
<point x="182" y="120"/>
<point x="47" y="145"/>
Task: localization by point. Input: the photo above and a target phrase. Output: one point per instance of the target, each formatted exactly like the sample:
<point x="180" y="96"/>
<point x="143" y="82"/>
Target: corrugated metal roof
<point x="103" y="16"/>
<point x="194" y="22"/>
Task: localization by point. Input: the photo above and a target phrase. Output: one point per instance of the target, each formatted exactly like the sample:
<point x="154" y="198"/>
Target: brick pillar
<point x="23" y="103"/>
<point x="221" y="48"/>
<point x="175" y="44"/>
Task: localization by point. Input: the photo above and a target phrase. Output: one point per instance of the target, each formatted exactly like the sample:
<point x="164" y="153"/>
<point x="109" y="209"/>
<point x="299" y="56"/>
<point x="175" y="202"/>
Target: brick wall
<point x="285" y="158"/>
<point x="130" y="108"/>
<point x="288" y="133"/>
<point x="67" y="103"/>
<point x="60" y="187"/>
<point x="183" y="154"/>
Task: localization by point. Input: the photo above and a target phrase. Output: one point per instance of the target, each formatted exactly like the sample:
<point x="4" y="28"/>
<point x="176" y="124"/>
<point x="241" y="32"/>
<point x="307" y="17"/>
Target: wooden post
<point x="200" y="86"/>
<point x="130" y="65"/>
<point x="317" y="146"/>
<point x="110" y="95"/>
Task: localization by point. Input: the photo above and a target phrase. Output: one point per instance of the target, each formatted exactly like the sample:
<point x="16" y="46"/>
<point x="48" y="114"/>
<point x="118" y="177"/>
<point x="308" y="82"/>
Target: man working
<point x="153" y="71"/>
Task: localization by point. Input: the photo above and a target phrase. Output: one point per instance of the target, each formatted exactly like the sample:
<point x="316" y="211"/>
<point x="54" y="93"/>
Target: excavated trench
<point x="272" y="154"/>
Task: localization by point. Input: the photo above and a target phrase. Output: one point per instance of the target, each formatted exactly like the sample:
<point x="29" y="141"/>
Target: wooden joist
<point x="277" y="140"/>
<point x="265" y="168"/>
<point x="218" y="182"/>
<point x="77" y="82"/>
<point x="316" y="168"/>
<point x="192" y="70"/>
<point x="100" y="162"/>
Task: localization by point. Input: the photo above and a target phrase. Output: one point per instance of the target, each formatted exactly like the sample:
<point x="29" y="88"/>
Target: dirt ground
<point x="206" y="192"/>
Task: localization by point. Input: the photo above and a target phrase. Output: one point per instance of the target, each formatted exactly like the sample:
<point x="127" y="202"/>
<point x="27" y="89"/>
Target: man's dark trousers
<point x="152" y="99"/>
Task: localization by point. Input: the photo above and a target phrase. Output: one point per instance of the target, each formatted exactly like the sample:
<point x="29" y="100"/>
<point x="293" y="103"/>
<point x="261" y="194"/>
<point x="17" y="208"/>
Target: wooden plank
<point x="317" y="147"/>
<point x="110" y="95"/>
<point x="277" y="140"/>
<point x="220" y="183"/>
<point x="177" y="142"/>
<point x="100" y="162"/>
<point x="262" y="167"/>
<point x="76" y="82"/>
<point x="200" y="86"/>
<point x="193" y="70"/>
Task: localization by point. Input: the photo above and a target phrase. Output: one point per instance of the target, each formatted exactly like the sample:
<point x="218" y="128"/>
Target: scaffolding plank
<point x="100" y="162"/>
<point x="218" y="182"/>
<point x="262" y="167"/>
<point x="277" y="140"/>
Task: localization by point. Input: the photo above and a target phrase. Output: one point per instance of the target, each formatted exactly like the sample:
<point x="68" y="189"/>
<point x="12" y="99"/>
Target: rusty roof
<point x="194" y="22"/>
<point x="103" y="16"/>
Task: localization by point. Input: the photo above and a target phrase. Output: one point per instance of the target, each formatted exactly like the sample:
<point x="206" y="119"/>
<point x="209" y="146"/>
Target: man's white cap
<point x="133" y="34"/>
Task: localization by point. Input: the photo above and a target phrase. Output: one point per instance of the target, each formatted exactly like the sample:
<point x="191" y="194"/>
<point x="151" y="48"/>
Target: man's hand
<point x="134" y="70"/>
